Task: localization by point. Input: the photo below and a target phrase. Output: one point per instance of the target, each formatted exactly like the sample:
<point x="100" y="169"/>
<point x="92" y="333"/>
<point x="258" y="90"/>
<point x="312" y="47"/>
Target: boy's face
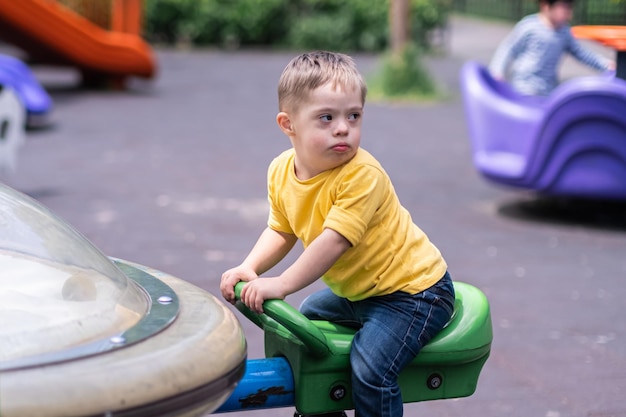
<point x="325" y="130"/>
<point x="559" y="14"/>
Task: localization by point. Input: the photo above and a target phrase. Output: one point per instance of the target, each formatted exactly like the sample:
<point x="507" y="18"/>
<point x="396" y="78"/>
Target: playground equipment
<point x="12" y="127"/>
<point x="83" y="335"/>
<point x="16" y="74"/>
<point x="317" y="355"/>
<point x="133" y="341"/>
<point x="571" y="143"/>
<point x="51" y="33"/>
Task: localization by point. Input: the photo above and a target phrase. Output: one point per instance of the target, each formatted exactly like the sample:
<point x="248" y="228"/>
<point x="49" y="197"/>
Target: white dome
<point x="58" y="290"/>
<point x="82" y="334"/>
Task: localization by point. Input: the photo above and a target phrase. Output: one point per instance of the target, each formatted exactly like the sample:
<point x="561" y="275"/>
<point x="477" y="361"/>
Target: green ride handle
<point x="290" y="318"/>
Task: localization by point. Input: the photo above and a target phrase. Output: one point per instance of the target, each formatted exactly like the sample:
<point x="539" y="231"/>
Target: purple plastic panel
<point x="570" y="143"/>
<point x="18" y="75"/>
<point x="499" y="121"/>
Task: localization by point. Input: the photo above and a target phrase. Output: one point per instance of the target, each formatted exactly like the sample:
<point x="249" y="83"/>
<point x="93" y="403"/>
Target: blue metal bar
<point x="267" y="383"/>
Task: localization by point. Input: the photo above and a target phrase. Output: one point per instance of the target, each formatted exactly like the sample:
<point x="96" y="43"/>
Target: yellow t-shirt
<point x="389" y="252"/>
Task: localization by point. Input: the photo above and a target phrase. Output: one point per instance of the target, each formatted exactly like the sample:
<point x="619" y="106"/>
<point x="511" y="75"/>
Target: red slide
<point x="52" y="33"/>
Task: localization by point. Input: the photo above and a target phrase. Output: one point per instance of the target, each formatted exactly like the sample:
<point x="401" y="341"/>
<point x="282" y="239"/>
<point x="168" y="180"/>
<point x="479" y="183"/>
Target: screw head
<point x="165" y="299"/>
<point x="337" y="392"/>
<point x="434" y="381"/>
<point x="117" y="340"/>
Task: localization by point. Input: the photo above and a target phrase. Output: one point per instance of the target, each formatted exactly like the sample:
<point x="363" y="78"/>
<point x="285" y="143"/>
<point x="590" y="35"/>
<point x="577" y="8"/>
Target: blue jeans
<point x="392" y="330"/>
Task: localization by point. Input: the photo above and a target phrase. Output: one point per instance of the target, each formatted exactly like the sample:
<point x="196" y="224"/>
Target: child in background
<point x="531" y="53"/>
<point x="384" y="276"/>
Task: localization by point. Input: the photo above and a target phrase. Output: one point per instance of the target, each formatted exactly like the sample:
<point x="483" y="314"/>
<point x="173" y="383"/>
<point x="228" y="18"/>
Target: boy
<point x="384" y="275"/>
<point x="532" y="51"/>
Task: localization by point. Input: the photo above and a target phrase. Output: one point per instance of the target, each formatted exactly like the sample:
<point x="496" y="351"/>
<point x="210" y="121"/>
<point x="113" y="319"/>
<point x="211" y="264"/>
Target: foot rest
<point x="319" y="353"/>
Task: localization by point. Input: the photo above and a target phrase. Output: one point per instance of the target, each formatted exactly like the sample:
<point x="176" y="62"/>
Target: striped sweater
<point x="529" y="56"/>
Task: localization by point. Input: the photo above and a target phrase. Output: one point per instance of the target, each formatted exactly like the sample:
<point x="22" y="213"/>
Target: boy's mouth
<point x="342" y="147"/>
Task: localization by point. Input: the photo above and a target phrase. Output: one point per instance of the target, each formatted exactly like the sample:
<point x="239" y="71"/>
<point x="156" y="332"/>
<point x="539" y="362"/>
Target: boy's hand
<point x="231" y="277"/>
<point x="254" y="293"/>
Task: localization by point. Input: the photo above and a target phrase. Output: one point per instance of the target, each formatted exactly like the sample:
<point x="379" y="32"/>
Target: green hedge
<point x="586" y="12"/>
<point x="348" y="25"/>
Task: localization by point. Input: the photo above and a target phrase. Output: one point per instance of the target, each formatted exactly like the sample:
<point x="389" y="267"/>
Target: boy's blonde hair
<point x="311" y="70"/>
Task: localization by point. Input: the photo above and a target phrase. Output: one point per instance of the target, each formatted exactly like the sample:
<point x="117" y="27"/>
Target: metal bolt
<point x="117" y="340"/>
<point x="434" y="381"/>
<point x="337" y="392"/>
<point x="165" y="299"/>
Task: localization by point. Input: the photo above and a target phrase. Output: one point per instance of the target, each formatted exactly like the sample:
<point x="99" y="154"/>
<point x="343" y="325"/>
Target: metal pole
<point x="621" y="65"/>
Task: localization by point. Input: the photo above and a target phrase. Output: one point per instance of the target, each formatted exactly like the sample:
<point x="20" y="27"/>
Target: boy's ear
<point x="284" y="122"/>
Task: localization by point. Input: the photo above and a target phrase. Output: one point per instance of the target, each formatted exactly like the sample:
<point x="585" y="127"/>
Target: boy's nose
<point x="341" y="128"/>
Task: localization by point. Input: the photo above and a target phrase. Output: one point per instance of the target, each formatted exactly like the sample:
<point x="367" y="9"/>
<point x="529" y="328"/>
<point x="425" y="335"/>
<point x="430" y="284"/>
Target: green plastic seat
<point x="319" y="353"/>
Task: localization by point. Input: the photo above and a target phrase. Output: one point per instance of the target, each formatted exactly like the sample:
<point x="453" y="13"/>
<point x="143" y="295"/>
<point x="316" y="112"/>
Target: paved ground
<point x="171" y="174"/>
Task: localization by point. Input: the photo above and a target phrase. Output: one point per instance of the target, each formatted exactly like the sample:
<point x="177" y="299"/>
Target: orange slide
<point x="52" y="33"/>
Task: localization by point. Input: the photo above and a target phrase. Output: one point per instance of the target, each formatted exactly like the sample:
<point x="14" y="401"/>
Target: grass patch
<point x="402" y="78"/>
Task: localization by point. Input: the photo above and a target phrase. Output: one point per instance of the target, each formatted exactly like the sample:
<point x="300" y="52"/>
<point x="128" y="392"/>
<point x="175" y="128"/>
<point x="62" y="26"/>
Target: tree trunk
<point x="399" y="25"/>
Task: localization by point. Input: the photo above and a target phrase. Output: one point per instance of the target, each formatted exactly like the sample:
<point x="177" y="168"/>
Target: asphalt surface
<point x="171" y="174"/>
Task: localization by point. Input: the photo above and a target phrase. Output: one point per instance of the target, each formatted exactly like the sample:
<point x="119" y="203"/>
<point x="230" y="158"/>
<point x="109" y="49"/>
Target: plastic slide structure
<point x="52" y="33"/>
<point x="16" y="75"/>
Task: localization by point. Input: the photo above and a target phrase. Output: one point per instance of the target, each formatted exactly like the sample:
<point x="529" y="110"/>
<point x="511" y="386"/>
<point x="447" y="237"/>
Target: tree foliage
<point x="348" y="25"/>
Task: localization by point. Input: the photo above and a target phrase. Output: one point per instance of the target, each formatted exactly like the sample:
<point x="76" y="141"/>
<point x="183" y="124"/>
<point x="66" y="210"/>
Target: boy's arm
<point x="314" y="261"/>
<point x="271" y="247"/>
<point x="508" y="49"/>
<point x="502" y="57"/>
<point x="587" y="56"/>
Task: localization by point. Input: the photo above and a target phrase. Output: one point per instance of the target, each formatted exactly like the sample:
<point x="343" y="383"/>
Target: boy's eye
<point x="354" y="116"/>
<point x="326" y="117"/>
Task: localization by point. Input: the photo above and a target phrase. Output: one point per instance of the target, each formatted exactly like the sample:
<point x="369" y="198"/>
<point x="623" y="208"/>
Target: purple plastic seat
<point x="571" y="143"/>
